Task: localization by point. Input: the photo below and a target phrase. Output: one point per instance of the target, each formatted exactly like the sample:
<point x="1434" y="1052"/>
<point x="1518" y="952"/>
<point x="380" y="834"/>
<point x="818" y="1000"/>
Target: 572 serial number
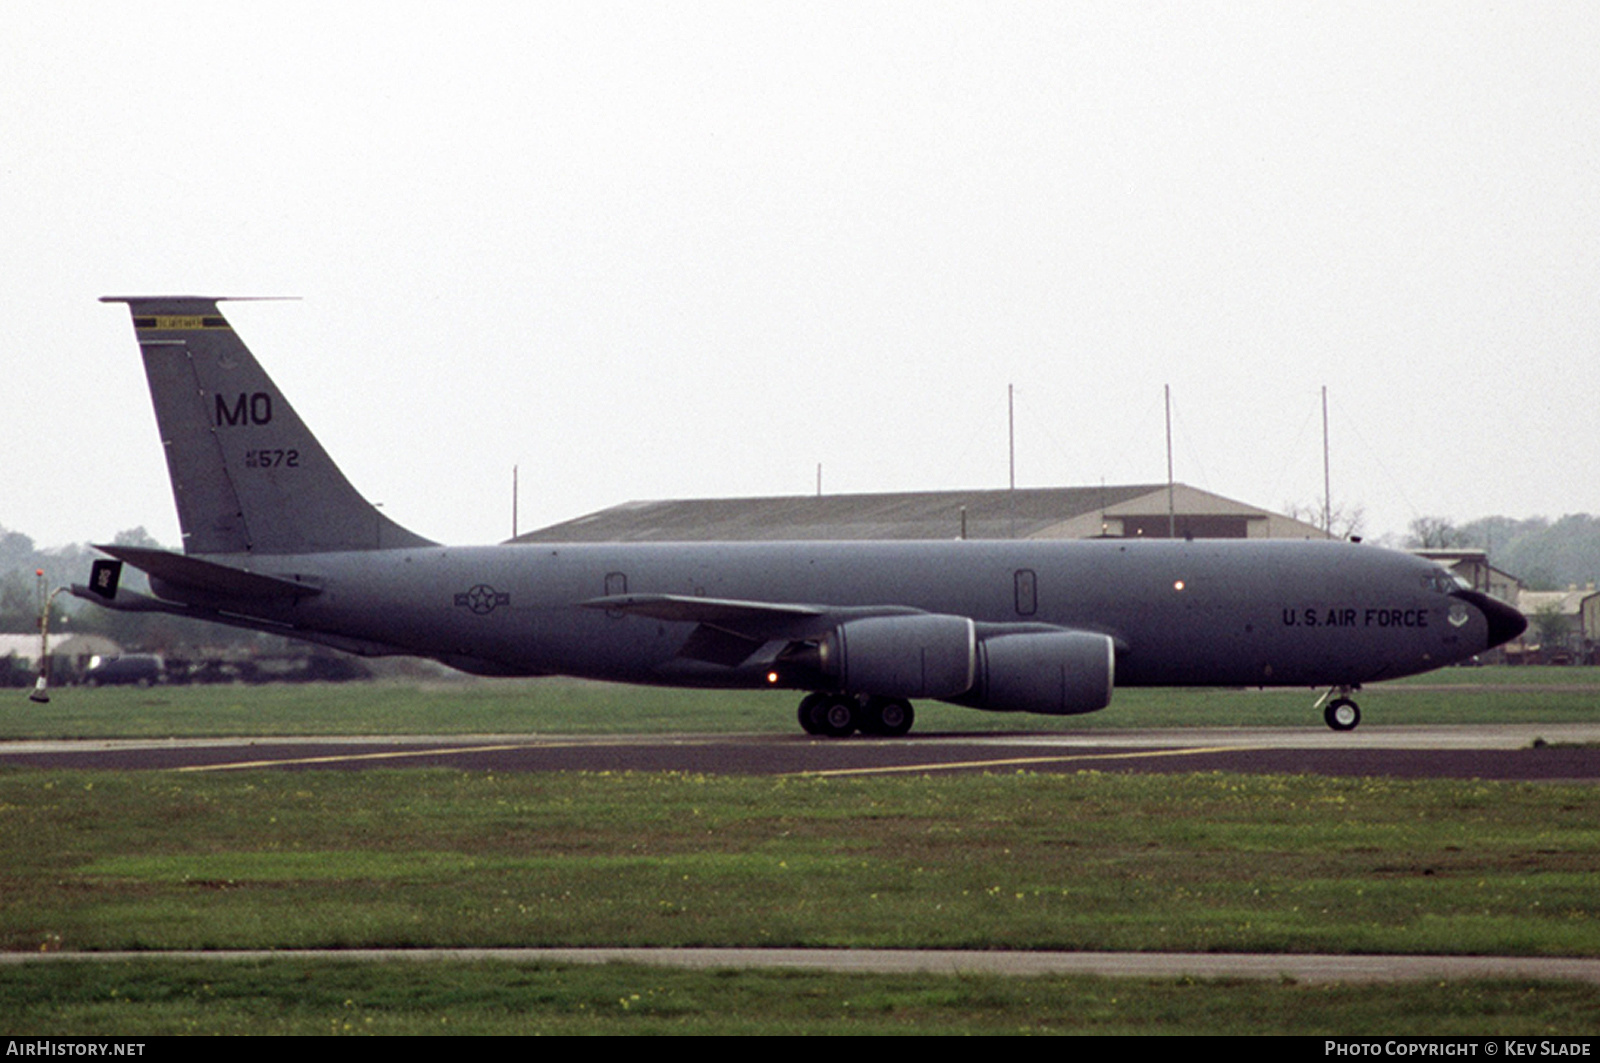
<point x="271" y="459"/>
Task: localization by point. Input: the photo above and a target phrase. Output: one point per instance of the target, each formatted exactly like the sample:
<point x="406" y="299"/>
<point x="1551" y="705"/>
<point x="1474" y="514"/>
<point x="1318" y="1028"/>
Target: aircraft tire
<point x="1342" y="714"/>
<point x="841" y="715"/>
<point x="887" y="717"/>
<point x="811" y="720"/>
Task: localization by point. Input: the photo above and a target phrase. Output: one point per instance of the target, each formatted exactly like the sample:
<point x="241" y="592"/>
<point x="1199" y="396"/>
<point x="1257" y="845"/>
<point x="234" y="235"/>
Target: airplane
<point x="276" y="539"/>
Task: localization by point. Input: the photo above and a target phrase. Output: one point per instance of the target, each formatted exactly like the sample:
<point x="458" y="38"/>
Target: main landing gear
<point x="1341" y="713"/>
<point x="841" y="715"/>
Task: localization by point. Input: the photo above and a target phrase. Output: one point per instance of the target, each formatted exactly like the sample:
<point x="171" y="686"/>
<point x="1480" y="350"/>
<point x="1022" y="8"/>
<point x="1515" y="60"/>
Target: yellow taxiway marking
<point x="1004" y="762"/>
<point x="1013" y="762"/>
<point x="389" y="755"/>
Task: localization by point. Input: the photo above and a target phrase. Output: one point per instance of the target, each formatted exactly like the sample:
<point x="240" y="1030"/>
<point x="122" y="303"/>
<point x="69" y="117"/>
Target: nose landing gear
<point x="1341" y="714"/>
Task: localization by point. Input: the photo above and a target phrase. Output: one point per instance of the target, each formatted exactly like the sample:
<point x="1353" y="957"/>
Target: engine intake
<point x="926" y="656"/>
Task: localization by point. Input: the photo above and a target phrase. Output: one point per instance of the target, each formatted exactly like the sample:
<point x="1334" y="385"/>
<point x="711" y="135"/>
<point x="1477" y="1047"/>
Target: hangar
<point x="70" y="654"/>
<point x="1563" y="627"/>
<point x="1148" y="511"/>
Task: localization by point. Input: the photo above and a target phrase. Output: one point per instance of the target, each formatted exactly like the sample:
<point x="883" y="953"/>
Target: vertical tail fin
<point x="247" y="475"/>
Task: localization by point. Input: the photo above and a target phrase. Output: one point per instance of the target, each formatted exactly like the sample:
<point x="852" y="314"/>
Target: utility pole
<point x="1011" y="431"/>
<point x="1172" y="511"/>
<point x="1327" y="481"/>
<point x="1011" y="437"/>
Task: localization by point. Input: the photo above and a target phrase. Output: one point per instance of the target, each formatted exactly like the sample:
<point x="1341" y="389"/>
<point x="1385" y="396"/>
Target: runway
<point x="1544" y="752"/>
<point x="1311" y="968"/>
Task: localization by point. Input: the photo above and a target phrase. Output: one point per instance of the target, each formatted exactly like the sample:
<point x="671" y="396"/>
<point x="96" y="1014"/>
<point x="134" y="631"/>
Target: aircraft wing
<point x="766" y="620"/>
<point x="730" y="631"/>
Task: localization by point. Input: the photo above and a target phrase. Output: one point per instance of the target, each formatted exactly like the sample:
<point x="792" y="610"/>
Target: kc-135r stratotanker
<point x="277" y="540"/>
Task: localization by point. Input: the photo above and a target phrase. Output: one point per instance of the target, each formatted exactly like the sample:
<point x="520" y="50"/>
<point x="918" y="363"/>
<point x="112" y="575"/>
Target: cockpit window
<point x="1444" y="582"/>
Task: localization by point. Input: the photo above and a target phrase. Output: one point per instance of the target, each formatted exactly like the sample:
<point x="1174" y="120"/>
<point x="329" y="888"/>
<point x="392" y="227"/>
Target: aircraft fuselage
<point x="1210" y="612"/>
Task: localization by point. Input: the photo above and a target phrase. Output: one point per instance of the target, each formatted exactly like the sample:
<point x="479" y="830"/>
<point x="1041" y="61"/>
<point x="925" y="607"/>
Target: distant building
<point x="1563" y="627"/>
<point x="1589" y="616"/>
<point x="1139" y="511"/>
<point x="69" y="653"/>
<point x="1473" y="566"/>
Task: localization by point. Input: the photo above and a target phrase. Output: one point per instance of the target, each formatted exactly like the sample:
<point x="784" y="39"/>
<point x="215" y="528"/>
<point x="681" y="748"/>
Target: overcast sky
<point x="657" y="250"/>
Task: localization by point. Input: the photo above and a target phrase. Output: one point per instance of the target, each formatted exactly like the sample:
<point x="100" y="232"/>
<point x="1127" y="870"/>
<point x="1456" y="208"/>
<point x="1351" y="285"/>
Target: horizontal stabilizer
<point x="128" y="601"/>
<point x="208" y="576"/>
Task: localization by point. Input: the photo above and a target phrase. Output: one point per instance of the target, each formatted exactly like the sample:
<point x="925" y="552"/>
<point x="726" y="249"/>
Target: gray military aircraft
<point x="277" y="540"/>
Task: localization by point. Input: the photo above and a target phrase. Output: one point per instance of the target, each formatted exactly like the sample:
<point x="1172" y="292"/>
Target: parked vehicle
<point x="134" y="669"/>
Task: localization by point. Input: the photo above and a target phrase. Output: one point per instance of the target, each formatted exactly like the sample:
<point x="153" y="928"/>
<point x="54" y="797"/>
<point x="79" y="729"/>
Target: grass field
<point x="105" y="860"/>
<point x="1201" y="862"/>
<point x="351" y="999"/>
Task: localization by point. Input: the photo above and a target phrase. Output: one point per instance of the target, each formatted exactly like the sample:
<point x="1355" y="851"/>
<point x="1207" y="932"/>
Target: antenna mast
<point x="1327" y="482"/>
<point x="1172" y="513"/>
<point x="1011" y="431"/>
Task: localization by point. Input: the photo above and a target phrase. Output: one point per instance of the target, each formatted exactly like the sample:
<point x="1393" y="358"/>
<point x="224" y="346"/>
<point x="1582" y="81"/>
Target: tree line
<point x="1545" y="554"/>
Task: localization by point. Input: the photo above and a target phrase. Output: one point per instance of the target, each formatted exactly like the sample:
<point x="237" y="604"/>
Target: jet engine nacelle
<point x="1059" y="673"/>
<point x="929" y="655"/>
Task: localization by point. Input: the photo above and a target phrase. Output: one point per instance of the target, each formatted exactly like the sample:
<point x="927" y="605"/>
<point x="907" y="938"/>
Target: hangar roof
<point x="1025" y="513"/>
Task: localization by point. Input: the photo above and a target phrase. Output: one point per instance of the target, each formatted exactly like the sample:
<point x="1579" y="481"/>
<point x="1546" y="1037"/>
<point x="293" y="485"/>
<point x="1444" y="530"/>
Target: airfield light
<point x="1178" y="586"/>
<point x="772" y="677"/>
<point x="41" y="686"/>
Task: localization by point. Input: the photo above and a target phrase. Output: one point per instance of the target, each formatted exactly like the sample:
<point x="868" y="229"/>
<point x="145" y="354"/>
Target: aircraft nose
<point x="1505" y="623"/>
